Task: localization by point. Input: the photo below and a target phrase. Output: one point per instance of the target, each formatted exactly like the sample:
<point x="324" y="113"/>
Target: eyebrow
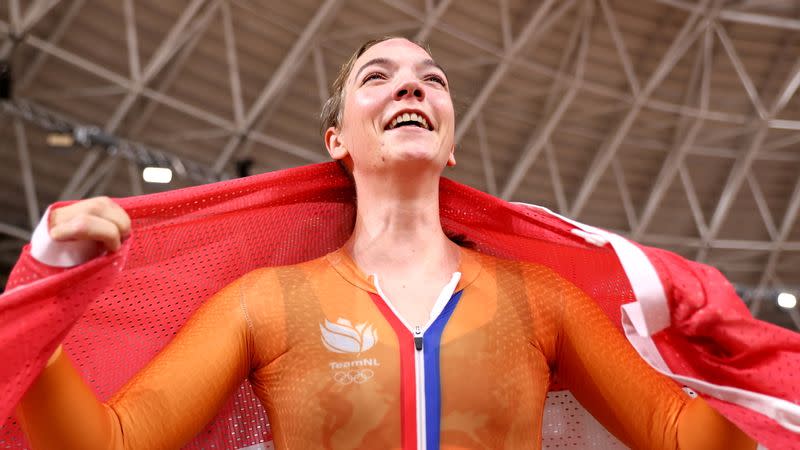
<point x="386" y="62"/>
<point x="373" y="62"/>
<point x="431" y="63"/>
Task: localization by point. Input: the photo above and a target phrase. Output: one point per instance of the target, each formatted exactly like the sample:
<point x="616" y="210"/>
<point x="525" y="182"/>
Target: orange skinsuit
<point x="336" y="368"/>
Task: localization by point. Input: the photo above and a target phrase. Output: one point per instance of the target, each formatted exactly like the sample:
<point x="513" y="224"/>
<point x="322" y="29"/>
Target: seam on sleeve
<point x="117" y="438"/>
<point x="250" y="337"/>
<point x="243" y="305"/>
<point x="560" y="327"/>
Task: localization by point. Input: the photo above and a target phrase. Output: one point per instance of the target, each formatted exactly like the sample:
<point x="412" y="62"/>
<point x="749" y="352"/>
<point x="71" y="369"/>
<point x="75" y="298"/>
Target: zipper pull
<point x="418" y="338"/>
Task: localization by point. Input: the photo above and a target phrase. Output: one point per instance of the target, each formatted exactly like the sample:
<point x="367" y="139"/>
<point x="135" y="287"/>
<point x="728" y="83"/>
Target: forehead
<point x="397" y="50"/>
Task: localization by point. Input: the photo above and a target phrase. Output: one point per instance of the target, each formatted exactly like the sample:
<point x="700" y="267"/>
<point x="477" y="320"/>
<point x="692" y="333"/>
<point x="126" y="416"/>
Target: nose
<point x="410" y="90"/>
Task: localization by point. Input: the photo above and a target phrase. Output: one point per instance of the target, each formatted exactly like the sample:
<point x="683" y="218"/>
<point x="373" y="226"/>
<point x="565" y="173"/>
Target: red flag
<point x="115" y="312"/>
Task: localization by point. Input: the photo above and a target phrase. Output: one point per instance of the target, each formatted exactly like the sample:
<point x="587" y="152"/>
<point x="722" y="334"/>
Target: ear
<point x="451" y="160"/>
<point x="334" y="144"/>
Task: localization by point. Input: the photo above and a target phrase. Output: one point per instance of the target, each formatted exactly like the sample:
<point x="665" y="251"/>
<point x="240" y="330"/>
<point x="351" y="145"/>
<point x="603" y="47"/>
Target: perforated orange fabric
<point x="116" y="312"/>
<point x="514" y="326"/>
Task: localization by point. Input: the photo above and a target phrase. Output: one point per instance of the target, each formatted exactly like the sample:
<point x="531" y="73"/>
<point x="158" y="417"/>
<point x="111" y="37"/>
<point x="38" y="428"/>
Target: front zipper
<point x="419" y="368"/>
<point x="418" y="334"/>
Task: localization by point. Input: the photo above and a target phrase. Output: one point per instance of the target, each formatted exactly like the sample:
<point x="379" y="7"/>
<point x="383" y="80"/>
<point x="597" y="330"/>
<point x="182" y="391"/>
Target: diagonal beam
<point x="732" y="15"/>
<point x="135" y="178"/>
<point x="619" y="44"/>
<point x="15" y="18"/>
<point x="763" y="207"/>
<point x="15" y="14"/>
<point x="469" y="38"/>
<point x="27" y="173"/>
<point x="36" y="11"/>
<point x="725" y="134"/>
<point x="282" y="75"/>
<point x="75" y="60"/>
<point x="166" y="81"/>
<point x="555" y="178"/>
<point x="99" y="173"/>
<point x="58" y="32"/>
<point x="80" y="173"/>
<point x="322" y="79"/>
<point x="789" y="219"/>
<point x="132" y="41"/>
<point x="780" y="124"/>
<point x="624" y="192"/>
<point x="780" y="143"/>
<point x="795" y="316"/>
<point x="199" y="134"/>
<point x="533" y="30"/>
<point x="205" y="116"/>
<point x="749" y="4"/>
<point x="505" y="24"/>
<point x="233" y="65"/>
<point x="738" y="66"/>
<point x="178" y="105"/>
<point x="691" y="29"/>
<point x="76" y="93"/>
<point x="169" y="46"/>
<point x="20" y="25"/>
<point x="486" y="158"/>
<point x="541" y="136"/>
<point x="694" y="202"/>
<point x="732" y="185"/>
<point x="727" y="244"/>
<point x="792" y="83"/>
<point x="100" y="188"/>
<point x="568" y="57"/>
<point x="139" y="79"/>
<point x="431" y="20"/>
<point x="744" y="162"/>
<point x="15" y="231"/>
<point x="760" y="19"/>
<point x="173" y="41"/>
<point x="683" y="139"/>
<point x="333" y="41"/>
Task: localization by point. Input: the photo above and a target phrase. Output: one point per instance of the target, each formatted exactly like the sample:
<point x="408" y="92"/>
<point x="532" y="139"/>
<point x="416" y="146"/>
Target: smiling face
<point x="397" y="112"/>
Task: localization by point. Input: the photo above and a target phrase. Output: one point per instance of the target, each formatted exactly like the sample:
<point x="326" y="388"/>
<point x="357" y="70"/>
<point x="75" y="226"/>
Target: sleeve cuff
<point x="59" y="254"/>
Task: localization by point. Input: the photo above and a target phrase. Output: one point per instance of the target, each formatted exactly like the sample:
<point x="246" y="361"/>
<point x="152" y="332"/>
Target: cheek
<point x="444" y="109"/>
<point x="367" y="103"/>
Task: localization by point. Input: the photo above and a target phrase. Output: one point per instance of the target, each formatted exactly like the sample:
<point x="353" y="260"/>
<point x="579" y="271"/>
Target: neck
<point x="397" y="224"/>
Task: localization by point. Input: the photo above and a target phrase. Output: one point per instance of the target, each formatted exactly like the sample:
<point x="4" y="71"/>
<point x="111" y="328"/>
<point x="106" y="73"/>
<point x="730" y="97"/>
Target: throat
<point x="417" y="301"/>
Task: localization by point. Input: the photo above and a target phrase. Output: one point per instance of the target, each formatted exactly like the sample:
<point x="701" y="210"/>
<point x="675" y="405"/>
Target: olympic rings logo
<point x="353" y="376"/>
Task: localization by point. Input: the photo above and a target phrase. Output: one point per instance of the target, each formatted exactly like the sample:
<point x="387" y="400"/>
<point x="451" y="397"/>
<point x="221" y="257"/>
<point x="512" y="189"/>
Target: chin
<point x="418" y="164"/>
<point x="416" y="153"/>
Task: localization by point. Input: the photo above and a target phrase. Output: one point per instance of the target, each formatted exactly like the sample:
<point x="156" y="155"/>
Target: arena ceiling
<point x="674" y="122"/>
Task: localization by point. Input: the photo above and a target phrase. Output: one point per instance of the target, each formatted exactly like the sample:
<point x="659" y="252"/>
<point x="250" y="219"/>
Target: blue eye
<point x="436" y="79"/>
<point x="374" y="76"/>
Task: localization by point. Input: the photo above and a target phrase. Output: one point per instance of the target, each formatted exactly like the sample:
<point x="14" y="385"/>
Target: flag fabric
<point x="115" y="311"/>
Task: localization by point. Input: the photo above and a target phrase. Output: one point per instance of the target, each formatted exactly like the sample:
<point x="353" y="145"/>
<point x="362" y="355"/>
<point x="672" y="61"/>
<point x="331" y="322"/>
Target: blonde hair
<point x="333" y="110"/>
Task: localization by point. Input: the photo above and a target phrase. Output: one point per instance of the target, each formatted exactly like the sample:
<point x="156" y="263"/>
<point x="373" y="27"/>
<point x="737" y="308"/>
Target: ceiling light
<point x="60" y="140"/>
<point x="787" y="300"/>
<point x="157" y="175"/>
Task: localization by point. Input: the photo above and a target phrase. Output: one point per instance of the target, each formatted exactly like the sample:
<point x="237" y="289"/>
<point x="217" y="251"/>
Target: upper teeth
<point x="409" y="117"/>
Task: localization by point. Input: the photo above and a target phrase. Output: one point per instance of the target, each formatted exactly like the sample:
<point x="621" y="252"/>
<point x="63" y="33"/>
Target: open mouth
<point x="409" y="119"/>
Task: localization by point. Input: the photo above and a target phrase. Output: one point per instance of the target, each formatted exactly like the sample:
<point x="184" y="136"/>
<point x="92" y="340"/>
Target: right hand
<point x="97" y="219"/>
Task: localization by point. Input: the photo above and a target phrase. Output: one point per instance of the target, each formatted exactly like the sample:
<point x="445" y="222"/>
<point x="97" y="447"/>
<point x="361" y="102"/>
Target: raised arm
<point x="638" y="405"/>
<point x="172" y="398"/>
<point x="164" y="405"/>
